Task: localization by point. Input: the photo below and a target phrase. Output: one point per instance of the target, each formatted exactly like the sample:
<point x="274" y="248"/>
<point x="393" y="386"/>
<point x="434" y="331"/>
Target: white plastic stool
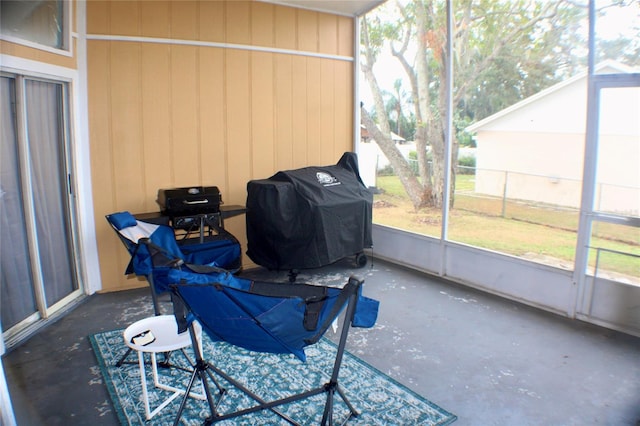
<point x="165" y="330"/>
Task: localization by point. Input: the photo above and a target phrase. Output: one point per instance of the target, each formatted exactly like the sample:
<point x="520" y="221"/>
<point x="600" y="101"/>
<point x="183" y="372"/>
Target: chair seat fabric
<point x="222" y="250"/>
<point x="229" y="309"/>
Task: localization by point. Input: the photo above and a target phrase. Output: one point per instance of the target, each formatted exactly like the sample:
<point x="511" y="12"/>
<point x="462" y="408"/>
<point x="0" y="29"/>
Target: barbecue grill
<point x="309" y="217"/>
<point x="196" y="215"/>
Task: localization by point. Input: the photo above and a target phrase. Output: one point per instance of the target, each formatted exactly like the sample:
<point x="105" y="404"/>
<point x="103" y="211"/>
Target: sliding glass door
<point x="36" y="233"/>
<point x="16" y="294"/>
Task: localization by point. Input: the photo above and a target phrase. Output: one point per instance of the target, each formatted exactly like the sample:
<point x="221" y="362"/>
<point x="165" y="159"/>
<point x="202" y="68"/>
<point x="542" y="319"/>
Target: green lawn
<point x="533" y="232"/>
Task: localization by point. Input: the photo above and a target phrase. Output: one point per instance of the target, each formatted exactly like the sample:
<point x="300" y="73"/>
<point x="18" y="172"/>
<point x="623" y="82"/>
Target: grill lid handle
<point x="195" y="202"/>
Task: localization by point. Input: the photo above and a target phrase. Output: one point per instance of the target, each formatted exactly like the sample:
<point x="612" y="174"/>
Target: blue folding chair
<point x="259" y="316"/>
<point x="221" y="251"/>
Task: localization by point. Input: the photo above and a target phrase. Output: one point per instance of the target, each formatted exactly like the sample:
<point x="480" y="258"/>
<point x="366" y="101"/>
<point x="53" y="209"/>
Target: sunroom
<point x="131" y="97"/>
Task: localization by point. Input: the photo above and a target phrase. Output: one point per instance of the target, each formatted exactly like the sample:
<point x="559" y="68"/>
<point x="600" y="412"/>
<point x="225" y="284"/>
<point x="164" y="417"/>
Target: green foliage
<point x="386" y="171"/>
<point x="467" y="161"/>
<point x="398" y="106"/>
<point x="504" y="51"/>
<point x="541" y="36"/>
<point x="627" y="50"/>
<point x="465" y="139"/>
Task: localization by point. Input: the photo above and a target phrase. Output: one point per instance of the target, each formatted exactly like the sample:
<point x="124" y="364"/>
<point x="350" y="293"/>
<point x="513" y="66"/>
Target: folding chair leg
<point x="330" y="388"/>
<point x="333" y="386"/>
<point x="124" y="358"/>
<point x="353" y="411"/>
<point x="328" y="409"/>
<point x="327" y="415"/>
<point x="263" y="405"/>
<point x="199" y="370"/>
<point x="202" y="370"/>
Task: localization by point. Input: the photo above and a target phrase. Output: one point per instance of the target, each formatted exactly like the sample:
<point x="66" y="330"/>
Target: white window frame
<point x="67" y="45"/>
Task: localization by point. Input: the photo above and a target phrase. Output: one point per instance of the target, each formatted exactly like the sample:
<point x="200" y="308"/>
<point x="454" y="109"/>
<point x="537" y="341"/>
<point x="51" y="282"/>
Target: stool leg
<point x="143" y="382"/>
<point x="154" y="370"/>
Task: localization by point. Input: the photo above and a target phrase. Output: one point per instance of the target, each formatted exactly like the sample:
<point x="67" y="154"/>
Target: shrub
<point x="467" y="162"/>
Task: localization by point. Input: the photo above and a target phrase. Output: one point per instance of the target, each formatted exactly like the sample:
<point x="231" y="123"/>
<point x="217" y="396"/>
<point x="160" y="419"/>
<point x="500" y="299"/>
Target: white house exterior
<point x="536" y="147"/>
<point x="371" y="158"/>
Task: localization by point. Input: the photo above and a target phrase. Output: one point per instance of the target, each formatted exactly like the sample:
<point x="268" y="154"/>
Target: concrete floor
<point x="485" y="359"/>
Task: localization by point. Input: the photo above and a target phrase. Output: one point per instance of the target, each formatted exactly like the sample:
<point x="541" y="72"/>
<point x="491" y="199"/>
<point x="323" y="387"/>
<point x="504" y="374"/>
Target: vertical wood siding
<point x="178" y="114"/>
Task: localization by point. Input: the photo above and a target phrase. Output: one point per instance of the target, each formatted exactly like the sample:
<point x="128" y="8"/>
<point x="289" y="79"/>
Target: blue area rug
<point x="379" y="399"/>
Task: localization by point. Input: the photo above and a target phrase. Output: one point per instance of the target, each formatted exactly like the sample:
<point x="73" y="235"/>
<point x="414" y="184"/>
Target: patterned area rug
<point x="379" y="399"/>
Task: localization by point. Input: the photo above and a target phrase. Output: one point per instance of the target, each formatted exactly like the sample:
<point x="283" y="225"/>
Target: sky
<point x="619" y="21"/>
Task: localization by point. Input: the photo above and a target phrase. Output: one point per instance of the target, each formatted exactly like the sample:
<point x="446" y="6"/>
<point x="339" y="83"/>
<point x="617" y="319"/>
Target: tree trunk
<point x="398" y="162"/>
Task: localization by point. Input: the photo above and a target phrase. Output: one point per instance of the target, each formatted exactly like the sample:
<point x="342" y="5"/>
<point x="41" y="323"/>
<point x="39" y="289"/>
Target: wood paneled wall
<point x="186" y="93"/>
<point x="26" y="52"/>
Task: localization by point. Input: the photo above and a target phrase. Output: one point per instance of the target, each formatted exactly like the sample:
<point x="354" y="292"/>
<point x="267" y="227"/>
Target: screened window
<point x="519" y="120"/>
<point x="38" y="22"/>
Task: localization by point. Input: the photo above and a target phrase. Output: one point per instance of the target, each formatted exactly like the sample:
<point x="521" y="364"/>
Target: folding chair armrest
<point x="348" y="294"/>
<point x="159" y="256"/>
<point x="180" y="312"/>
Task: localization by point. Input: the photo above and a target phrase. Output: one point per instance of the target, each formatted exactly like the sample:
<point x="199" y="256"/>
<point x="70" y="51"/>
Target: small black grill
<point x="189" y="201"/>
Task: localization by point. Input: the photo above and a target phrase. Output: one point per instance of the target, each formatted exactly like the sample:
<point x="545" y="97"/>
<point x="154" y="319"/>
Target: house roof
<point x="613" y="66"/>
<point x="347" y="8"/>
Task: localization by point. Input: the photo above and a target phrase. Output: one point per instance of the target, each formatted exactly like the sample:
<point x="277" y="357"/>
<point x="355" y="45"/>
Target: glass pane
<point x="614" y="252"/>
<point x="617" y="177"/>
<point x="521" y="117"/>
<point x="45" y="131"/>
<point x="36" y="21"/>
<point x="520" y="102"/>
<point x="617" y="33"/>
<point x="17" y="300"/>
<point x="530" y="216"/>
<point x="404" y="163"/>
<point x="615" y="249"/>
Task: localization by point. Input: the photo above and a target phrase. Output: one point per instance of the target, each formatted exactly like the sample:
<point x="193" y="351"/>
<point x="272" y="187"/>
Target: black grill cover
<point x="309" y="217"/>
